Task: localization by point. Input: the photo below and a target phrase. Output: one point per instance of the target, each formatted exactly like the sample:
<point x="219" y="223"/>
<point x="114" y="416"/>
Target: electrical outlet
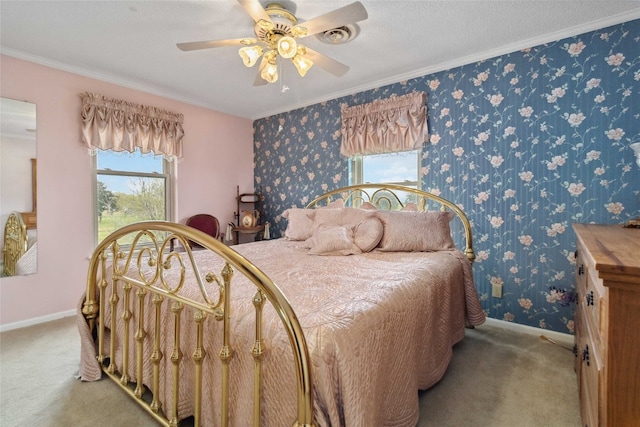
<point x="496" y="291"/>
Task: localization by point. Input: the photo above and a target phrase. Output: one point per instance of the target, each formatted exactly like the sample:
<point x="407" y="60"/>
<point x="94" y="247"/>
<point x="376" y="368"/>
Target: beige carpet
<point x="497" y="378"/>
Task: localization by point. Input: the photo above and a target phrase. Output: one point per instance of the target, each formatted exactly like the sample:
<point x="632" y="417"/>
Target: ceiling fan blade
<point x="255" y="10"/>
<point x="207" y="44"/>
<point x="332" y="66"/>
<point x="349" y="14"/>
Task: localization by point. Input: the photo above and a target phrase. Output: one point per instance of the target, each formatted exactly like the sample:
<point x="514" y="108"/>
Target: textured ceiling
<point x="133" y="43"/>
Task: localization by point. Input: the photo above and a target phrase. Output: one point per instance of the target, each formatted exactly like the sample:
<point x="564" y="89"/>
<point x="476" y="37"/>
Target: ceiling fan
<point x="277" y="33"/>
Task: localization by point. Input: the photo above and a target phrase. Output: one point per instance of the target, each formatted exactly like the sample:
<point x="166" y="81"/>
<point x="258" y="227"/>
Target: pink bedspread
<point x="379" y="326"/>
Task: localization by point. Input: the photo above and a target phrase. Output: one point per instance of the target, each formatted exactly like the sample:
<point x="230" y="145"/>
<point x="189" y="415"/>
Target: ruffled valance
<point x="398" y="123"/>
<point x="125" y="126"/>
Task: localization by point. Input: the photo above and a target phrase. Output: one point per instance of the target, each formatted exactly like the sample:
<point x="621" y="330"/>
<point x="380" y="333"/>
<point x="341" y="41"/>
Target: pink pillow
<point x="300" y="223"/>
<point x="334" y="240"/>
<point x="368" y="233"/>
<point x="406" y="231"/>
<point x="336" y="204"/>
<point x="368" y="206"/>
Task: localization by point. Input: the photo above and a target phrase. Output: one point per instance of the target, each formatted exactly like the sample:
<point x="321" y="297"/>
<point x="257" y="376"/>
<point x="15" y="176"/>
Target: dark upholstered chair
<point x="206" y="223"/>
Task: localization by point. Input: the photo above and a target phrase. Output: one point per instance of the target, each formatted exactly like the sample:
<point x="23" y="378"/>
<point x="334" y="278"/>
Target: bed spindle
<point x="258" y="301"/>
<point x="140" y="335"/>
<point x="226" y="352"/>
<point x="103" y="287"/>
<point x="198" y="356"/>
<point x="157" y="355"/>
<point x="126" y="320"/>
<point x="176" y="357"/>
<point x="113" y="300"/>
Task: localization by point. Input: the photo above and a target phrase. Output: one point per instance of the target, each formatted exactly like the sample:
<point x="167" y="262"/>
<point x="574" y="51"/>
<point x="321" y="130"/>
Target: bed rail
<point x="150" y="244"/>
<point x="15" y="243"/>
<point x="393" y="197"/>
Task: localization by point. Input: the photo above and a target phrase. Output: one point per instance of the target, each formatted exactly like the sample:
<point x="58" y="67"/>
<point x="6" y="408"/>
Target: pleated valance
<point x="398" y="123"/>
<point x="125" y="126"/>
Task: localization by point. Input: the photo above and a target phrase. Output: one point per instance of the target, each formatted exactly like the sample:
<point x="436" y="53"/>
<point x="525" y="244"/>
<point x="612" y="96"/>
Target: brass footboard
<point x="137" y="289"/>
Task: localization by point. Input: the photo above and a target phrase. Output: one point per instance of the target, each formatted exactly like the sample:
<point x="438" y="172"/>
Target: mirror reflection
<point x="18" y="187"/>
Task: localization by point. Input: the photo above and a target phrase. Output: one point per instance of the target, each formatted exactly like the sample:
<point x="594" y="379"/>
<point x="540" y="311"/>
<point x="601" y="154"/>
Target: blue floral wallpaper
<point x="527" y="143"/>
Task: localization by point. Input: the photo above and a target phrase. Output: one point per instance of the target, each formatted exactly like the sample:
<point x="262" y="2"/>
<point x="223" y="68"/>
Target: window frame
<point x="169" y="173"/>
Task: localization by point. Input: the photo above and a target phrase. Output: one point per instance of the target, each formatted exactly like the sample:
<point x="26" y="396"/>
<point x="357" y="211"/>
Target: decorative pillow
<point x="368" y="233"/>
<point x="336" y="204"/>
<point x="334" y="240"/>
<point x="327" y="217"/>
<point x="406" y="231"/>
<point x="342" y="216"/>
<point x="368" y="206"/>
<point x="300" y="223"/>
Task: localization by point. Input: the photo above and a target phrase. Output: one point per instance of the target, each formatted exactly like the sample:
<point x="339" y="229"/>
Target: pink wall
<point x="218" y="155"/>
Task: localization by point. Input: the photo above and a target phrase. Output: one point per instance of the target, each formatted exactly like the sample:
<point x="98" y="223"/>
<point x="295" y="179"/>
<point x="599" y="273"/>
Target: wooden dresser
<point x="607" y="324"/>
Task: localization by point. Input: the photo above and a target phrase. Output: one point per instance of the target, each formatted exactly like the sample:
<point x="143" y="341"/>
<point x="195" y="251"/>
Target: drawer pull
<point x="585" y="354"/>
<point x="581" y="270"/>
<point x="575" y="350"/>
<point x="589" y="298"/>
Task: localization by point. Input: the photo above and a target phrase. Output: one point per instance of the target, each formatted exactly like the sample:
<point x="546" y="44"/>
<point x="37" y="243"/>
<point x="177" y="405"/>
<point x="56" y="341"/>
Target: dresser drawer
<point x="591" y="296"/>
<point x="591" y="374"/>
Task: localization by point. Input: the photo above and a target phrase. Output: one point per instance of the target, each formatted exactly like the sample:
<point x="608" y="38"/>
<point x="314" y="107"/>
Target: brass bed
<point x="234" y="337"/>
<point x="17" y="242"/>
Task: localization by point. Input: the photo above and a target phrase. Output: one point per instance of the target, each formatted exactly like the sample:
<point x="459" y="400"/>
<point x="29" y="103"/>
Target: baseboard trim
<point x="37" y="320"/>
<point x="559" y="337"/>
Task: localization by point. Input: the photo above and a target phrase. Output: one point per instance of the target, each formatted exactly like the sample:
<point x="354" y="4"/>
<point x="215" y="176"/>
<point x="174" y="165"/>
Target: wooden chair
<point x="206" y="223"/>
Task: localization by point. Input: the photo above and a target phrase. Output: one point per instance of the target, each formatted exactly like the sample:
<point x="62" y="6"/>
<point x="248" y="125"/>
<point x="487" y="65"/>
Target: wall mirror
<point x="18" y="188"/>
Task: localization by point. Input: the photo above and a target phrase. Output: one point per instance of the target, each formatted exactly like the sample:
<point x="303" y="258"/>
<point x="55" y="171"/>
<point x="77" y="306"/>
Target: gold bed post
<point x="156" y="356"/>
<point x="126" y="317"/>
<point x="176" y="357"/>
<point x="113" y="300"/>
<point x="225" y="352"/>
<point x="198" y="356"/>
<point x="140" y="335"/>
<point x="256" y="352"/>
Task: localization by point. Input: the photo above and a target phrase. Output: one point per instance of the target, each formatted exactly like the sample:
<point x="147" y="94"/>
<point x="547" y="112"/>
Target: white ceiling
<point x="133" y="43"/>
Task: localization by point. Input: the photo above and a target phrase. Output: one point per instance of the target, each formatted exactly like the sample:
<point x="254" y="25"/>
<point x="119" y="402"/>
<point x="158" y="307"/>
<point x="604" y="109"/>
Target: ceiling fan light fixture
<point x="302" y="64"/>
<point x="265" y="25"/>
<point x="287" y="47"/>
<point x="299" y="31"/>
<point x="250" y="55"/>
<point x="269" y="66"/>
<point x="270" y="72"/>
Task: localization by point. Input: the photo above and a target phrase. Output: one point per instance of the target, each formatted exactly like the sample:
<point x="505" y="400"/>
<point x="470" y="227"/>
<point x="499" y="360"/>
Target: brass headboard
<point x="393" y="197"/>
<point x="15" y="243"/>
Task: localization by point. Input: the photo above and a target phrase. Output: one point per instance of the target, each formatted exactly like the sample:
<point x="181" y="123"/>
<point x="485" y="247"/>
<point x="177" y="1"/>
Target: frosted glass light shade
<point x="270" y="72"/>
<point x="302" y="64"/>
<point x="250" y="55"/>
<point x="287" y="47"/>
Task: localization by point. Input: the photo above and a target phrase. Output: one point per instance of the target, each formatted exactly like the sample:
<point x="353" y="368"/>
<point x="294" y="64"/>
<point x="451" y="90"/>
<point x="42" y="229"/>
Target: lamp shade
<point x="287" y="47"/>
<point x="250" y="55"/>
<point x="302" y="64"/>
<point x="270" y="72"/>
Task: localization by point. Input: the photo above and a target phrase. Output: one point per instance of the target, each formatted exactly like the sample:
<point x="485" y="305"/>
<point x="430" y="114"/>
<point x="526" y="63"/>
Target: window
<point x="389" y="168"/>
<point x="130" y="187"/>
